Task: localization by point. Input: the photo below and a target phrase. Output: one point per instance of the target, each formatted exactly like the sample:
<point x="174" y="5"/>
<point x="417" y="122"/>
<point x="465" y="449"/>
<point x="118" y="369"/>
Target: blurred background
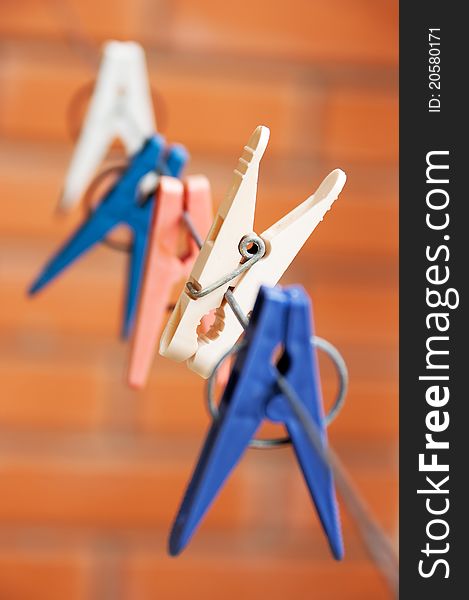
<point x="91" y="473"/>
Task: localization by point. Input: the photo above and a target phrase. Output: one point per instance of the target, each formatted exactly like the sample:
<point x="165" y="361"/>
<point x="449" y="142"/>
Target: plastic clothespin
<point x="120" y="107"/>
<point x="164" y="266"/>
<point x="121" y="205"/>
<point x="220" y="254"/>
<point x="280" y="318"/>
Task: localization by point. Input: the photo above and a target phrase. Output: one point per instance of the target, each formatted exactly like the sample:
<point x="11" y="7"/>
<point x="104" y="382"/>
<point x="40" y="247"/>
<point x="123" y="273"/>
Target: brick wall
<point x="92" y="473"/>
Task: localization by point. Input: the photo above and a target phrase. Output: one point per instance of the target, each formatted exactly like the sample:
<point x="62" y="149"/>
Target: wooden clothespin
<point x="120" y="107"/>
<point x="219" y="265"/>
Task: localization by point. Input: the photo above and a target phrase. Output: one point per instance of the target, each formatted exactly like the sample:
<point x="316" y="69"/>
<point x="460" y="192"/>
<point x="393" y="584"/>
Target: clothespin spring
<point x="251" y="248"/>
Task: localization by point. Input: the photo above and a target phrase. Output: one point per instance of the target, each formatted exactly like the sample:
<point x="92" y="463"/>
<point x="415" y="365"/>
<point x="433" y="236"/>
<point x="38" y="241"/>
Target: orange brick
<point x="244" y="576"/>
<point x="279" y="485"/>
<point x="357" y="221"/>
<point x="210" y="110"/>
<point x="109" y="494"/>
<point x="33" y="575"/>
<point x="347" y="313"/>
<point x="82" y="455"/>
<point x="54" y="488"/>
<point x="361" y="125"/>
<point x="89" y="295"/>
<point x="366" y="32"/>
<point x="51" y="397"/>
<point x="51" y="81"/>
<point x="36" y="347"/>
<point x="370" y="411"/>
<point x="378" y="488"/>
<point x="225" y="107"/>
<point x="174" y="403"/>
<point x="30" y="202"/>
<point x="79" y="18"/>
<point x="364" y="217"/>
<point x="335" y="31"/>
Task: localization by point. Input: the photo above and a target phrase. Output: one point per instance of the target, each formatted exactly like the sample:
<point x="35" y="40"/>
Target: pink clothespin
<point x="164" y="266"/>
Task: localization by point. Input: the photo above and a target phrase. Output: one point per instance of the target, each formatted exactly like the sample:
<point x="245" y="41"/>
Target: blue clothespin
<point x="119" y="206"/>
<point x="281" y="317"/>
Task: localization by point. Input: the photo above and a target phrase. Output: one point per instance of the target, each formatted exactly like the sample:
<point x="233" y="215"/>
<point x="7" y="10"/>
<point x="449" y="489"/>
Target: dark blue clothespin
<point x="280" y="318"/>
<point x="121" y="205"/>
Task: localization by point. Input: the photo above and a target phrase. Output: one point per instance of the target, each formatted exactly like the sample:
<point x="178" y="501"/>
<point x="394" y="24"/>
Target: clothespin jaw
<point x="164" y="267"/>
<point x="220" y="254"/>
<point x="121" y="205"/>
<point x="120" y="107"/>
<point x="279" y="318"/>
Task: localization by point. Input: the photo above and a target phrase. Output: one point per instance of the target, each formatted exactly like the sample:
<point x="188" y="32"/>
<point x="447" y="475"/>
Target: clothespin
<point x="219" y="265"/>
<point x="281" y="317"/>
<point x="121" y="205"/>
<point x="120" y="107"/>
<point x="164" y="266"/>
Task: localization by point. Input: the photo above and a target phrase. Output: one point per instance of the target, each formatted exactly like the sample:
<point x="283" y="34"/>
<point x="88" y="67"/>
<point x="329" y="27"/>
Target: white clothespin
<point x="221" y="253"/>
<point x="120" y="107"/>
